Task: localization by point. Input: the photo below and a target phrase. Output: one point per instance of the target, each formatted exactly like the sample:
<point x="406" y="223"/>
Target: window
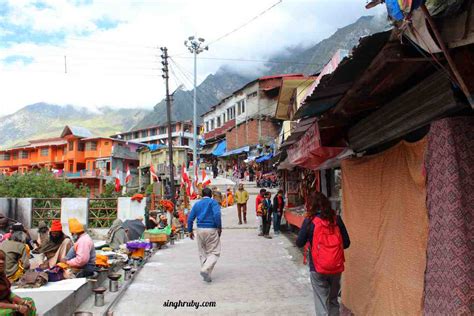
<point x="231" y="113"/>
<point x="185" y="141"/>
<point x="23" y="154"/>
<point x="240" y="107"/>
<point x="44" y="152"/>
<point x="252" y="95"/>
<point x="212" y="124"/>
<point x="15" y="155"/>
<point x="218" y="121"/>
<point x="106" y="143"/>
<point x="144" y="133"/>
<point x="81" y="146"/>
<point x="136" y="135"/>
<point x="5" y="156"/>
<point x="162" y="130"/>
<point x="71" y="146"/>
<point x="91" y="146"/>
<point x="153" y="132"/>
<point x="207" y="126"/>
<point x="173" y="128"/>
<point x="223" y="118"/>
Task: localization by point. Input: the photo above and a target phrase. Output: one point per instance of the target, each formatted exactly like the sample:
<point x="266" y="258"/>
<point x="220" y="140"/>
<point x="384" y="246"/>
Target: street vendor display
<point x="138" y="247"/>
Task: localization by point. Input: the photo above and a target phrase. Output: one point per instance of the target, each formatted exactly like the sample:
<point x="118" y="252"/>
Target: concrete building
<point x="246" y="118"/>
<point x="182" y="134"/>
<point x="77" y="155"/>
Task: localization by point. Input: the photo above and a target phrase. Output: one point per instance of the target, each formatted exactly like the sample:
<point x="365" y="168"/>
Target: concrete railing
<point x="21" y="209"/>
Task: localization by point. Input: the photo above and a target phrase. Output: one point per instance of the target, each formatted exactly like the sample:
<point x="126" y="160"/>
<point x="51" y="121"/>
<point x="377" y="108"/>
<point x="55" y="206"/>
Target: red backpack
<point x="327" y="249"/>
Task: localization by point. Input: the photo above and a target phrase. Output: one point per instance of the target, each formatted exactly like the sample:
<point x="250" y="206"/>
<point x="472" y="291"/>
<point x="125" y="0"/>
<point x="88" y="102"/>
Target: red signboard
<point x="309" y="153"/>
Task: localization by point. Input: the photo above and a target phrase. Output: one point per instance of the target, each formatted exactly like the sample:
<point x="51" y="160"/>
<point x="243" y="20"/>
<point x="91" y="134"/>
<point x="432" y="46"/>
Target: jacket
<point x="15" y="252"/>
<point x="241" y="197"/>
<point x="306" y="235"/>
<point x="258" y="200"/>
<point x="82" y="255"/>
<point x="276" y="207"/>
<point x="208" y="214"/>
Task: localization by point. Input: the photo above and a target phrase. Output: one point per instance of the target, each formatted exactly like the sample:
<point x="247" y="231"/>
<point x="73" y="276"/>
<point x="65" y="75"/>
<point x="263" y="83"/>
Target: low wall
<point x="21" y="210"/>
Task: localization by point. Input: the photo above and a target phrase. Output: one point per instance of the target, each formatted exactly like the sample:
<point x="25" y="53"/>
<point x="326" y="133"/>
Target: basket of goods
<point x="158" y="235"/>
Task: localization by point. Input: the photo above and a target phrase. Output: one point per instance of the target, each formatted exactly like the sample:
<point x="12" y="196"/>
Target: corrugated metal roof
<point x="76" y="131"/>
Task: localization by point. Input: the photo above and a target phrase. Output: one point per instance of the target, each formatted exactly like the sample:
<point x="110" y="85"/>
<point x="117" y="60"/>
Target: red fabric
<point x="137" y="197"/>
<point x="294" y="218"/>
<point x="56" y="226"/>
<point x="258" y="200"/>
<point x="327" y="251"/>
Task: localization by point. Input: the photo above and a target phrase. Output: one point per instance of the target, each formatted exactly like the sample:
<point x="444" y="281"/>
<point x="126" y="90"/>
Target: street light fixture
<point x="195" y="47"/>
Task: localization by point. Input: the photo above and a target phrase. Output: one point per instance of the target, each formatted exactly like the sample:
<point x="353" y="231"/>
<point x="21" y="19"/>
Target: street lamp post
<point x="194" y="46"/>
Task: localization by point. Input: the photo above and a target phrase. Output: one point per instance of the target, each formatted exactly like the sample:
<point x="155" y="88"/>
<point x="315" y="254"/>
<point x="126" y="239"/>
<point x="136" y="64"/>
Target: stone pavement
<point x="254" y="276"/>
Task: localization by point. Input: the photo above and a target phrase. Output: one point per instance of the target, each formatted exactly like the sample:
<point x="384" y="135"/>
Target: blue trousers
<point x="276" y="222"/>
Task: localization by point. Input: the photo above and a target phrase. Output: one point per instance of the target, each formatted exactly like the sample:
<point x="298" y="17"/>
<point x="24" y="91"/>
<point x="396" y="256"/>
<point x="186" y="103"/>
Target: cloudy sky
<point x="111" y="46"/>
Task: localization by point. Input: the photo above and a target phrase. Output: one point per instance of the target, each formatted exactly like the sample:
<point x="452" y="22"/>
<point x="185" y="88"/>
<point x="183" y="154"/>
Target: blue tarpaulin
<point x="155" y="146"/>
<point x="220" y="149"/>
<point x="264" y="158"/>
<point x="236" y="151"/>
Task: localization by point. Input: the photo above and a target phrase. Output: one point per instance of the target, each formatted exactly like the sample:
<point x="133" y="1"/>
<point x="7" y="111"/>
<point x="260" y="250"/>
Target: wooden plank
<point x="414" y="109"/>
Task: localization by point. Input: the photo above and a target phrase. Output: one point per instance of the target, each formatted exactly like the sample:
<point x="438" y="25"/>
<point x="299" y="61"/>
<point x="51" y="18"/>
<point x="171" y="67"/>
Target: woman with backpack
<point x="327" y="237"/>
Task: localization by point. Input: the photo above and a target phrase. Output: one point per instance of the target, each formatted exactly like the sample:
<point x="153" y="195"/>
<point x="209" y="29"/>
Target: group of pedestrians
<point x="268" y="212"/>
<point x="323" y="231"/>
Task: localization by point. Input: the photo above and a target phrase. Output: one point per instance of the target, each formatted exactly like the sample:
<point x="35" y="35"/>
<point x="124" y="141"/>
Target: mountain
<point x="42" y="120"/>
<point x="225" y="81"/>
<point x="312" y="59"/>
<point x="210" y="91"/>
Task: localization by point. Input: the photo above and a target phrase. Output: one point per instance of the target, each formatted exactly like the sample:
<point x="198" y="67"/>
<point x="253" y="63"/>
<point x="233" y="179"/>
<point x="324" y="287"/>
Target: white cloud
<point x="120" y="66"/>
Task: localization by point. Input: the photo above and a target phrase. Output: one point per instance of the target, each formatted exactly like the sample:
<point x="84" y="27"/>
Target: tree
<point x="39" y="184"/>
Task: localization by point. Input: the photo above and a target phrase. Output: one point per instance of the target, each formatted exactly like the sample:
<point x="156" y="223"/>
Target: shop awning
<point x="219" y="150"/>
<point x="208" y="149"/>
<point x="309" y="152"/>
<point x="236" y="151"/>
<point x="264" y="158"/>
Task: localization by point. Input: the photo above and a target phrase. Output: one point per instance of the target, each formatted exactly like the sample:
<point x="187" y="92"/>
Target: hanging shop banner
<point x="309" y="153"/>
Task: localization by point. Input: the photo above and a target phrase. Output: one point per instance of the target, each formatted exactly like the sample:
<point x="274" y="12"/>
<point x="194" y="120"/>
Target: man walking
<point x="209" y="229"/>
<point x="241" y="197"/>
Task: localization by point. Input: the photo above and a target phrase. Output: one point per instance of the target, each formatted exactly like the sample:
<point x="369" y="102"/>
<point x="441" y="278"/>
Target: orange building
<point x="77" y="155"/>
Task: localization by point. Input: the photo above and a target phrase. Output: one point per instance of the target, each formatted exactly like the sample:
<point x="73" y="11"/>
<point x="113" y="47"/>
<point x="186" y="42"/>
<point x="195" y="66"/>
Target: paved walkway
<point x="254" y="276"/>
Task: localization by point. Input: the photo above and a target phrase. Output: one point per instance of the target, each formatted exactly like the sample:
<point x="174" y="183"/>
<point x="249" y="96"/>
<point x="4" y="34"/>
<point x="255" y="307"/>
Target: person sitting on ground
<point x="57" y="246"/>
<point x="4" y="223"/>
<point x="17" y="255"/>
<point x="43" y="234"/>
<point x="229" y="199"/>
<point x="152" y="220"/>
<point x="117" y="235"/>
<point x="163" y="222"/>
<point x="81" y="257"/>
<point x="10" y="304"/>
<point x="326" y="258"/>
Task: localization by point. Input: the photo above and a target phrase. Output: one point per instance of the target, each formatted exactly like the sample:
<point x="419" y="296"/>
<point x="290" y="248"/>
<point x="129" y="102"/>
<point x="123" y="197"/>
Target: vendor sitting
<point x="10" y="304"/>
<point x="4" y="228"/>
<point x="57" y="246"/>
<point x="152" y="220"/>
<point x="229" y="199"/>
<point x="163" y="222"/>
<point x="117" y="235"/>
<point x="81" y="257"/>
<point x="17" y="255"/>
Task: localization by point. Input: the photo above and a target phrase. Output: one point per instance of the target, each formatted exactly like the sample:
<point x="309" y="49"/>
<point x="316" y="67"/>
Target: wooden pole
<point x="446" y="53"/>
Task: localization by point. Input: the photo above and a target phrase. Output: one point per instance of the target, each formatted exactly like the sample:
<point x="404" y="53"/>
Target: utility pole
<point x="165" y="76"/>
<point x="194" y="46"/>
